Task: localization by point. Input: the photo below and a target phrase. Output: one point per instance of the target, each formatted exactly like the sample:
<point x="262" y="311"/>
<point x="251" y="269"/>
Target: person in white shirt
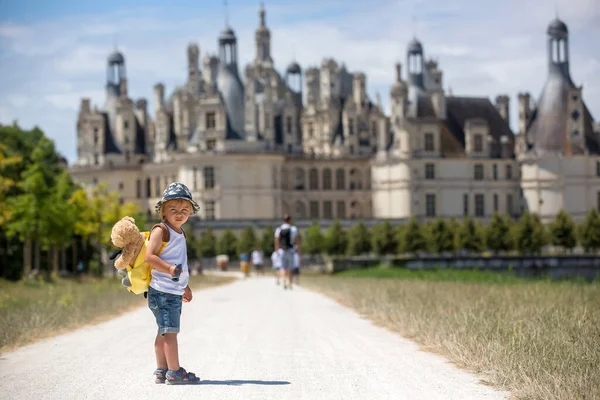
<point x="287" y="240"/>
<point x="257" y="261"/>
<point x="276" y="260"/>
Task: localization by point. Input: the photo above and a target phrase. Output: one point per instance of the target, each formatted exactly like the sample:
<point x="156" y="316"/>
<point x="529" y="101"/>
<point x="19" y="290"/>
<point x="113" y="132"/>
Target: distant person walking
<point x="276" y="261"/>
<point x="257" y="261"/>
<point x="288" y="240"/>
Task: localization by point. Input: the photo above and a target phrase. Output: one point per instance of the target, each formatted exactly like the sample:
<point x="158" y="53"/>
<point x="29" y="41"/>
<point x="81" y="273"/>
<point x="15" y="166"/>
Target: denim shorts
<point x="166" y="308"/>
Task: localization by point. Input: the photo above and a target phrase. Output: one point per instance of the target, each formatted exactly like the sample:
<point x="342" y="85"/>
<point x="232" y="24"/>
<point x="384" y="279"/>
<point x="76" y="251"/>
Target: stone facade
<point x="312" y="143"/>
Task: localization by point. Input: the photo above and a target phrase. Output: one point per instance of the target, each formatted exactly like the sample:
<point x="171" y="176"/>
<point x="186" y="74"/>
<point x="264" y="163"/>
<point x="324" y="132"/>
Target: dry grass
<point x="31" y="310"/>
<point x="540" y="340"/>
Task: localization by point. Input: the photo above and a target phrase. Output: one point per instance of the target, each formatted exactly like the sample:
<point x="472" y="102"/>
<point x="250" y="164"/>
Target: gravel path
<point x="247" y="340"/>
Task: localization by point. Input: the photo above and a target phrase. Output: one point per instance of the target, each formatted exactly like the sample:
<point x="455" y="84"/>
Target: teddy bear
<point x="126" y="235"/>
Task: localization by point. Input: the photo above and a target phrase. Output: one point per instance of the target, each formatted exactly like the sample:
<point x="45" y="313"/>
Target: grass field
<point x="538" y="339"/>
<point x="31" y="310"/>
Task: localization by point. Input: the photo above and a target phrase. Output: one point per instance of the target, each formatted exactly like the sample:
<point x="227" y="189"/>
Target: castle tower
<point x="230" y="85"/>
<point x="263" y="40"/>
<point x="414" y="62"/>
<point x="193" y="55"/>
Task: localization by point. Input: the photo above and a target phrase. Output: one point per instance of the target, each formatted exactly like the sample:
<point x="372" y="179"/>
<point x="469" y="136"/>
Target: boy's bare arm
<point x="298" y="245"/>
<point x="152" y="257"/>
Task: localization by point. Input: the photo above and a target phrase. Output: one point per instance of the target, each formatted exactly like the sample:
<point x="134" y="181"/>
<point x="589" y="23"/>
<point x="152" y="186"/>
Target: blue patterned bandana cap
<point x="177" y="190"/>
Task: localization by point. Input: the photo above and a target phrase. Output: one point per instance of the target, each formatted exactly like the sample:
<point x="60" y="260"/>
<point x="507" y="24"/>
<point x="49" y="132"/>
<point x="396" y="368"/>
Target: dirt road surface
<point x="247" y="340"/>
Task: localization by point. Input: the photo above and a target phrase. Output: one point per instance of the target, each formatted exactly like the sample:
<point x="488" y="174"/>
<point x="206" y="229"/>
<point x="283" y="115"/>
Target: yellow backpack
<point x="140" y="273"/>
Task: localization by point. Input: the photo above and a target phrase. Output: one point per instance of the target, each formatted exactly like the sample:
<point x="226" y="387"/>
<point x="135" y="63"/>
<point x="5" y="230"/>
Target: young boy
<point x="169" y="283"/>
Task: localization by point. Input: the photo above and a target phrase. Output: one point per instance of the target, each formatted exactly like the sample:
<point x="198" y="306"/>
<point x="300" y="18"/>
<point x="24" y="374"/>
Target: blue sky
<point x="52" y="53"/>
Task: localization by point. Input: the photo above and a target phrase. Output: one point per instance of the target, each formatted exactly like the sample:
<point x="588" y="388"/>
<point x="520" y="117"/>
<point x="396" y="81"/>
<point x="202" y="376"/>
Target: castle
<point x="313" y="144"/>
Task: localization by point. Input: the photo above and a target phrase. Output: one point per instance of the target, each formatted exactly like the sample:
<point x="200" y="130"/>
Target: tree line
<point x="502" y="235"/>
<point x="48" y="223"/>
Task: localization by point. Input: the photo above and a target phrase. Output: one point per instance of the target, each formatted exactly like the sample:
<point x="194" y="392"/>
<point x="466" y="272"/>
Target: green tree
<point x="31" y="208"/>
<point x="497" y="234"/>
<point x="469" y="236"/>
<point x="529" y="234"/>
<point x="413" y="239"/>
<point x="313" y="242"/>
<point x="207" y="244"/>
<point x="247" y="240"/>
<point x="440" y="237"/>
<point x="383" y="238"/>
<point x="227" y="244"/>
<point x="268" y="241"/>
<point x="399" y="234"/>
<point x="336" y="239"/>
<point x="358" y="240"/>
<point x="563" y="231"/>
<point x="60" y="220"/>
<point x="589" y="232"/>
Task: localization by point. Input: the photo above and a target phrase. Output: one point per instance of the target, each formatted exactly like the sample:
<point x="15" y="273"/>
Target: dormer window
<point x="478" y="143"/>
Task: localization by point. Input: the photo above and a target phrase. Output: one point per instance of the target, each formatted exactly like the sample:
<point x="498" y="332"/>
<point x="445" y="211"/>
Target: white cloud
<point x="483" y="49"/>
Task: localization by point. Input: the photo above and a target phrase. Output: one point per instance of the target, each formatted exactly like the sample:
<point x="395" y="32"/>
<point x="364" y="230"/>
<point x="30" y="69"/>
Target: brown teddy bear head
<point x="126" y="235"/>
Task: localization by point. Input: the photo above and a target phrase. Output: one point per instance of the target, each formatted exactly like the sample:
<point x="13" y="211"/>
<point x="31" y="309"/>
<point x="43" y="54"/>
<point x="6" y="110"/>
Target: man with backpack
<point x="288" y="240"/>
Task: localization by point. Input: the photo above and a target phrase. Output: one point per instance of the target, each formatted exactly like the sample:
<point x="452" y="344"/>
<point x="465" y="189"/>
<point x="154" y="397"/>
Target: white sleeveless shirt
<point x="175" y="252"/>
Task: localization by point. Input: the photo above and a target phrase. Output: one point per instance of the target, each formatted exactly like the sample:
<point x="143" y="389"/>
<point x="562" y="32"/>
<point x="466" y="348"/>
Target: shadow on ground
<point x="243" y="382"/>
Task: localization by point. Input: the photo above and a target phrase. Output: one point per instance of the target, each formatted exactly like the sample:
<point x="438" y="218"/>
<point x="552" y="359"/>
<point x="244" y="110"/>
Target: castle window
<point x="314" y="209"/>
<point x="138" y="189"/>
<point x="327" y="209"/>
<point x="211" y="120"/>
<point x="311" y="130"/>
<point x="209" y="210"/>
<point x="95" y="136"/>
<point x="148" y="187"/>
<point x="575" y="115"/>
<point x="121" y="186"/>
<point x="597" y="168"/>
<point x="313" y="179"/>
<point x="299" y="177"/>
<point x="429" y="143"/>
<point x="125" y="124"/>
<point x="209" y="177"/>
<point x="430" y="205"/>
<point x="496" y="202"/>
<point x="96" y="159"/>
<point x="479" y="205"/>
<point x="495" y="172"/>
<point x="374" y="128"/>
<point x="288" y="124"/>
<point x="351" y="149"/>
<point x="478" y="143"/>
<point x="341" y="209"/>
<point x="429" y="171"/>
<point x="509" y="174"/>
<point x="340" y="179"/>
<point x="350" y="126"/>
<point x="465" y="204"/>
<point x="157" y="186"/>
<point x="509" y="204"/>
<point x="327" y="179"/>
<point x="195" y="178"/>
<point x="478" y="172"/>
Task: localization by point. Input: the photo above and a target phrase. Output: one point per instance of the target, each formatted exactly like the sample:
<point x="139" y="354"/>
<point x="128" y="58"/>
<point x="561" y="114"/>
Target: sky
<point x="53" y="53"/>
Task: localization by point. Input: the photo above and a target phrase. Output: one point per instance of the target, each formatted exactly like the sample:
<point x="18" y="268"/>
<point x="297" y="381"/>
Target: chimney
<point x="85" y="106"/>
<point x="398" y="72"/>
<point x="359" y="89"/>
<point x="159" y="97"/>
<point x="524" y="111"/>
<point x="503" y="107"/>
<point x="123" y="87"/>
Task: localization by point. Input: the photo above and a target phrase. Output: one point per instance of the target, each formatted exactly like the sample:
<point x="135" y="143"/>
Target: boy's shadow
<point x="237" y="382"/>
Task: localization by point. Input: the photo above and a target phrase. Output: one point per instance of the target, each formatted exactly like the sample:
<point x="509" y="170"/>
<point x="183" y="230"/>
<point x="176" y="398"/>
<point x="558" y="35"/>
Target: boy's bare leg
<point x="289" y="272"/>
<point x="159" y="350"/>
<point x="172" y="351"/>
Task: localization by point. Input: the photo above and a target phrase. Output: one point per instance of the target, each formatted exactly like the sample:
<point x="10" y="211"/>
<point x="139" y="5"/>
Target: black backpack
<point x="285" y="238"/>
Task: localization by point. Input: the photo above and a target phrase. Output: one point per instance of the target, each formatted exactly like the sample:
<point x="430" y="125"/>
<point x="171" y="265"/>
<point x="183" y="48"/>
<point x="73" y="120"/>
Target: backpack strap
<point x="166" y="235"/>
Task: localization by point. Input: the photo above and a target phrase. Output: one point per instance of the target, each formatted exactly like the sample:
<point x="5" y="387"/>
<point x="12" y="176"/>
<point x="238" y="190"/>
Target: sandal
<point x="160" y="374"/>
<point x="181" y="377"/>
